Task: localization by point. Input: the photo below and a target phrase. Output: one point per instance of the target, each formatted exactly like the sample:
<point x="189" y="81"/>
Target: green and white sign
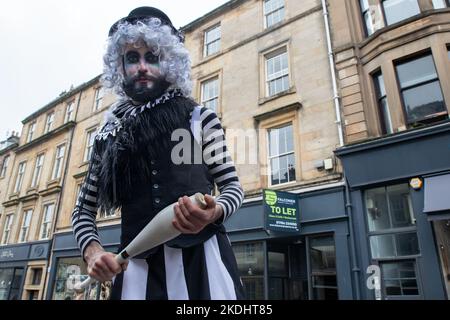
<point x="281" y="210"/>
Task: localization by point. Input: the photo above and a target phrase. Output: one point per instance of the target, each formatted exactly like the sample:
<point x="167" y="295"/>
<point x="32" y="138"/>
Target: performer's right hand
<point x="102" y="265"/>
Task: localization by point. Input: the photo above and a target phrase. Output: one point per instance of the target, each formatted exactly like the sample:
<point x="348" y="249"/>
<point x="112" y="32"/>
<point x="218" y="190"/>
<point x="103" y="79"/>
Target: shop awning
<point x="437" y="195"/>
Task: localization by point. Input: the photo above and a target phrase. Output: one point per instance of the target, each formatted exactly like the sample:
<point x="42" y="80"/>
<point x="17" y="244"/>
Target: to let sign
<point x="281" y="211"/>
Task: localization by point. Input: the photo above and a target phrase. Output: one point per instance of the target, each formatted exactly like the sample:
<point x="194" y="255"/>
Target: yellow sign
<point x="416" y="183"/>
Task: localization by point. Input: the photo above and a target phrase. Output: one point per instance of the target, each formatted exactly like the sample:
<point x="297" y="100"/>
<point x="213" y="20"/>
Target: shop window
<point x="250" y="260"/>
<point x="383" y="107"/>
<point x="281" y="155"/>
<point x="398" y="10"/>
<point x="10" y="283"/>
<point x="322" y="255"/>
<point x="421" y="91"/>
<point x="399" y="278"/>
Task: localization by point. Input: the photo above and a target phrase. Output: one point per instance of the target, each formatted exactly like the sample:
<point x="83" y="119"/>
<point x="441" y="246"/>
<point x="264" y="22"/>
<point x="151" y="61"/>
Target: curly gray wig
<point x="175" y="64"/>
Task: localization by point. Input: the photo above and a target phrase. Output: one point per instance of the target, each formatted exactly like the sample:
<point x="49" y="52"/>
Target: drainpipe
<point x="333" y="74"/>
<point x="348" y="204"/>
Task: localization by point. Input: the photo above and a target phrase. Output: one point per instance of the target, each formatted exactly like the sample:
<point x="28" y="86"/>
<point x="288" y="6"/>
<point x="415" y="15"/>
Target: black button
<point x="157" y="200"/>
<point x="152" y="161"/>
<point x="155" y="186"/>
<point x="154" y="172"/>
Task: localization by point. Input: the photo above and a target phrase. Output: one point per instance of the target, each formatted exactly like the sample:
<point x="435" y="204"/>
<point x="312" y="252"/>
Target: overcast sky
<point x="48" y="45"/>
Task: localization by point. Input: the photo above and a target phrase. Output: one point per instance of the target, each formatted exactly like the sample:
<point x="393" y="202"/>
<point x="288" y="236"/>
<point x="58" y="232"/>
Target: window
<point x="440" y="4"/>
<point x="7" y="228"/>
<point x="250" y="261"/>
<point x="212" y="41"/>
<point x="210" y="93"/>
<point x="398" y="10"/>
<point x="281" y="155"/>
<point x="90" y="138"/>
<point x="46" y="221"/>
<point x="273" y="12"/>
<point x="98" y="98"/>
<point x="49" y="123"/>
<point x="367" y="17"/>
<point x="31" y="130"/>
<point x="37" y="170"/>
<point x="20" y="175"/>
<point x="277" y="72"/>
<point x="393" y="237"/>
<point x="383" y="107"/>
<point x="36" y="276"/>
<point x="59" y="157"/>
<point x="69" y="112"/>
<point x="23" y="236"/>
<point x="4" y="166"/>
<point x="322" y="257"/>
<point x="421" y="90"/>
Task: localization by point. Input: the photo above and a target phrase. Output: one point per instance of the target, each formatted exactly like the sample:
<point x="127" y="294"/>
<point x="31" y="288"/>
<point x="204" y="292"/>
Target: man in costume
<point x="133" y="168"/>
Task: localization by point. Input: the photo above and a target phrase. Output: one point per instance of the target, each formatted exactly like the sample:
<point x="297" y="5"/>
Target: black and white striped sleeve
<point x="220" y="164"/>
<point x="83" y="216"/>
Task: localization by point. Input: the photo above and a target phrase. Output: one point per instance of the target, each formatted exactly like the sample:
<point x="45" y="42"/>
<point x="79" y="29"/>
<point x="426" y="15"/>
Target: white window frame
<point x="47" y="218"/>
<point x="271" y="157"/>
<point x="99" y="94"/>
<point x="26" y="222"/>
<point x="268" y="58"/>
<point x="37" y="169"/>
<point x="59" y="160"/>
<point x="9" y="219"/>
<point x="215" y="97"/>
<point x="20" y="175"/>
<point x="69" y="111"/>
<point x="90" y="139"/>
<point x="49" y="122"/>
<point x="271" y="12"/>
<point x="5" y="164"/>
<point x="31" y="130"/>
<point x="216" y="41"/>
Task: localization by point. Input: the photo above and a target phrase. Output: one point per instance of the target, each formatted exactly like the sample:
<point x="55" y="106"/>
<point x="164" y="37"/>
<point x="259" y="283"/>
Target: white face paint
<point x="141" y="67"/>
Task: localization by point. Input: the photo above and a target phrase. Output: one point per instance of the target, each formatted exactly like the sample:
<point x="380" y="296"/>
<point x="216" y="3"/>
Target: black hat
<point x="145" y="13"/>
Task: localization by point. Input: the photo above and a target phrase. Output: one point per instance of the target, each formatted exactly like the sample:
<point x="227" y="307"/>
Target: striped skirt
<point x="207" y="271"/>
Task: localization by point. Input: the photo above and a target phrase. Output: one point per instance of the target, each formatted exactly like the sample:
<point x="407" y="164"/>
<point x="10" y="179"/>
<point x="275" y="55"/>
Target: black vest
<point x="168" y="182"/>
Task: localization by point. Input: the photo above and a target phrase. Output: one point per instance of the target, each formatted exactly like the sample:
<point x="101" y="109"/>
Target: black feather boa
<point x="125" y="158"/>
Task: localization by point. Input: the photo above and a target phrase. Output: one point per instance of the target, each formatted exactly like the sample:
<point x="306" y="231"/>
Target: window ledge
<point x="289" y="91"/>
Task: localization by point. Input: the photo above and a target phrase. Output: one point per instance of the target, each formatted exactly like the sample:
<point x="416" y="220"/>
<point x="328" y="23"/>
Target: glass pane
<point x="277" y="264"/>
<point x="382" y="246"/>
<point x="322" y="253"/>
<point x="284" y="169"/>
<point x="273" y="142"/>
<point x="282" y="141"/>
<point x="423" y="102"/>
<point x="386" y="116"/>
<point x="250" y="258"/>
<point x="398" y="10"/>
<point x="253" y="287"/>
<point x="439" y="4"/>
<point x="377" y="210"/>
<point x="276" y="288"/>
<point x="399" y="202"/>
<point x="275" y="171"/>
<point x="291" y="167"/>
<point x="407" y="244"/>
<point x="416" y="71"/>
<point x="399" y="278"/>
<point x="289" y="139"/>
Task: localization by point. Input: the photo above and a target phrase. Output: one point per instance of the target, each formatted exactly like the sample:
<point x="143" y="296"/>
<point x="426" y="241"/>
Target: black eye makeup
<point x="151" y="58"/>
<point x="132" y="57"/>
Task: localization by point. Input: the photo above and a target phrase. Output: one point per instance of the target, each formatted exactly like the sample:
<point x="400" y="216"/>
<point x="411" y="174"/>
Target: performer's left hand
<point x="190" y="218"/>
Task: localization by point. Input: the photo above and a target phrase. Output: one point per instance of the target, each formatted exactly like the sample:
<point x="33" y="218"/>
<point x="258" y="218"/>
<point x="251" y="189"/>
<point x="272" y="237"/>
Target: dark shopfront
<point x="22" y="276"/>
<point x="401" y="211"/>
<point x="69" y="267"/>
<point x="313" y="263"/>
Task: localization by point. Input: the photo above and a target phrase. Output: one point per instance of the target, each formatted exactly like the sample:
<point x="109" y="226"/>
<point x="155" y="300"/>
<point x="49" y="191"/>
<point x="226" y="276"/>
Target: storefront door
<point x="10" y="283"/>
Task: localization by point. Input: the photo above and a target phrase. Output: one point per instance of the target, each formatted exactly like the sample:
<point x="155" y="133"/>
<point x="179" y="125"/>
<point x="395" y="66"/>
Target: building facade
<point x="393" y="65"/>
